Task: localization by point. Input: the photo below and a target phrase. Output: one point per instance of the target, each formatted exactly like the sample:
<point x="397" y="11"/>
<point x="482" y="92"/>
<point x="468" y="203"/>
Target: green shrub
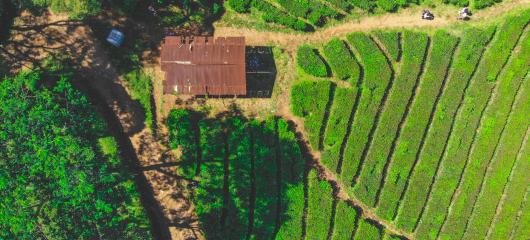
<point x="310" y="61"/>
<point x="467" y="122"/>
<point x="390" y="41"/>
<point x="341" y="4"/>
<point x="299" y="8"/>
<point x="367" y="229"/>
<point x="309" y="100"/>
<point x="140" y="87"/>
<point x="377" y="76"/>
<point x="403" y="88"/>
<point x="345" y="217"/>
<point x="416" y="123"/>
<point x="240" y="6"/>
<point x="387" y="5"/>
<point x="342" y="63"/>
<point x="502" y="163"/>
<point x="367" y="5"/>
<point x="337" y="127"/>
<point x="320" y="202"/>
<point x="486" y="141"/>
<point x="272" y="14"/>
<point x="465" y="61"/>
<point x="461" y="3"/>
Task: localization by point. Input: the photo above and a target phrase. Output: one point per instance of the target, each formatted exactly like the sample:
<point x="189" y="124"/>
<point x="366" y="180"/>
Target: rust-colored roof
<point x="204" y="66"/>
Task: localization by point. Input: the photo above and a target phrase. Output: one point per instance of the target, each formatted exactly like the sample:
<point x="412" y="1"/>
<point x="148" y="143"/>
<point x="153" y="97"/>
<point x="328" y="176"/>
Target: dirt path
<point x="407" y="18"/>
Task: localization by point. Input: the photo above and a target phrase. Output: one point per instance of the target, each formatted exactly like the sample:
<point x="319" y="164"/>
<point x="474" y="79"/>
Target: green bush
<point x="465" y="61"/>
<point x="486" y="142"/>
<point x="320" y="202"/>
<point x="367" y="5"/>
<point x="403" y="88"/>
<point x="466" y="123"/>
<point x="240" y="6"/>
<point x="299" y="8"/>
<point x="387" y="5"/>
<point x="310" y="61"/>
<point x="309" y="100"/>
<point x="341" y="4"/>
<point x="342" y="63"/>
<point x="340" y="114"/>
<point x="272" y="14"/>
<point x="416" y="123"/>
<point x="377" y="75"/>
<point x="461" y="3"/>
<point x="390" y="41"/>
<point x="140" y="87"/>
<point x="507" y="152"/>
<point x="367" y="229"/>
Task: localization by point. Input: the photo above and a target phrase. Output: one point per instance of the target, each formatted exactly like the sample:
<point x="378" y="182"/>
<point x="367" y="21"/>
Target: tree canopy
<point x="61" y="176"/>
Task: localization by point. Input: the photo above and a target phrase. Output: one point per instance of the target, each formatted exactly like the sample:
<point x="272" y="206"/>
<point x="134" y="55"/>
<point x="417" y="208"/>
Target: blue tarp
<point x="115" y="37"/>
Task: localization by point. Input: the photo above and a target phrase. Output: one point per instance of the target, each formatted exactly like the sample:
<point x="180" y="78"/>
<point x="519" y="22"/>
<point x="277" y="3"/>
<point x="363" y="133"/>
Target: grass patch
<point x="141" y="87"/>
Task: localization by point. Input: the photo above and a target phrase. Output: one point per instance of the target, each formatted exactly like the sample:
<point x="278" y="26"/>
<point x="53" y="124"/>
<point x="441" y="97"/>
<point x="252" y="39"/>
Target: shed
<point x="204" y="65"/>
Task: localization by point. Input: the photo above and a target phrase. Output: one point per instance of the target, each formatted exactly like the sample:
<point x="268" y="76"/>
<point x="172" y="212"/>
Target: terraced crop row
<point x="435" y="149"/>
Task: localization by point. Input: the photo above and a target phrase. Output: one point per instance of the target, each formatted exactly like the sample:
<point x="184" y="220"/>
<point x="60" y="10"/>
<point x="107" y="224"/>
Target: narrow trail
<point x="407" y="18"/>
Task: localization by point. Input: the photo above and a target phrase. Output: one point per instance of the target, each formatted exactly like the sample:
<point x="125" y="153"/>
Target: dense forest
<point x="61" y="176"/>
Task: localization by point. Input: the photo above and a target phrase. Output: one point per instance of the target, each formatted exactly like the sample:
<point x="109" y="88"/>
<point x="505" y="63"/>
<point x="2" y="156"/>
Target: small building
<point x="204" y="66"/>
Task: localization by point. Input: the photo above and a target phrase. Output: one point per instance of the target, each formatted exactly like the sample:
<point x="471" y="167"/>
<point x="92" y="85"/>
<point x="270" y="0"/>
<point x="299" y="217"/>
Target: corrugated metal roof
<point x="204" y="66"/>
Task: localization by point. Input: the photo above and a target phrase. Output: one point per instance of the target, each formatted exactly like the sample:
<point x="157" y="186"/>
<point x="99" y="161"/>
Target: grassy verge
<point x="466" y="123"/>
<point x="377" y="77"/>
<point x="416" y="124"/>
<point x="141" y="88"/>
<point x="500" y="168"/>
<point x="465" y="61"/>
<point x="492" y="125"/>
<point x="414" y="52"/>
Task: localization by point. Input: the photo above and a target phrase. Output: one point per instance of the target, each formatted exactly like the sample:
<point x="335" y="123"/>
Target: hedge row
<point x="272" y="14"/>
<point x="310" y="61"/>
<point x="337" y="126"/>
<point x="320" y="203"/>
<point x="479" y="4"/>
<point x="461" y="3"/>
<point x="342" y="62"/>
<point x="414" y="52"/>
<point x="309" y="100"/>
<point x="416" y="124"/>
<point x="390" y="40"/>
<point x="345" y="218"/>
<point x="465" y="61"/>
<point x="240" y="6"/>
<point x="490" y="130"/>
<point x="515" y="192"/>
<point x="377" y="76"/>
<point x="313" y="11"/>
<point x="368" y="230"/>
<point x="466" y="124"/>
<point x="500" y="168"/>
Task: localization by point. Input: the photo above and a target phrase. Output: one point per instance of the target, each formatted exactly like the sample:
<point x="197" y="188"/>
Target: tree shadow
<point x="247" y="169"/>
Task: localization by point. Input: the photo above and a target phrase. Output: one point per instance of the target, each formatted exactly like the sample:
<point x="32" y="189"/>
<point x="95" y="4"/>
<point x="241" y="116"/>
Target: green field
<point x="436" y="129"/>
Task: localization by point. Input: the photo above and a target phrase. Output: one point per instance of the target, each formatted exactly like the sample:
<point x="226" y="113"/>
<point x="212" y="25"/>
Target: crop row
<point x="391" y="42"/>
<point x="377" y="79"/>
<point x="314" y="11"/>
<point x="466" y="123"/>
<point x="338" y="123"/>
<point x="501" y="165"/>
<point x="464" y="64"/>
<point x="319" y="209"/>
<point x="310" y="100"/>
<point x="395" y="110"/>
<point x="310" y="61"/>
<point x="490" y="130"/>
<point x="342" y="63"/>
<point x="416" y="124"/>
<point x="270" y="13"/>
